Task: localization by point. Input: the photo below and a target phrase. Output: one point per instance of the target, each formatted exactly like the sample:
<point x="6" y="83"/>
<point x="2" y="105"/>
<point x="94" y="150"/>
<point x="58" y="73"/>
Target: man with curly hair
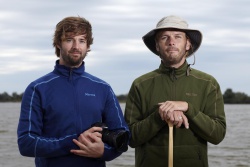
<point x="59" y="109"/>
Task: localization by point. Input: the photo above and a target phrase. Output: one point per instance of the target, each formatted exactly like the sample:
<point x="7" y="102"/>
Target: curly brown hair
<point x="74" y="26"/>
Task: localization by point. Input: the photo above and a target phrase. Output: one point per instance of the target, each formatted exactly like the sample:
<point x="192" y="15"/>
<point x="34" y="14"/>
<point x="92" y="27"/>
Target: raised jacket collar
<point x="67" y="71"/>
<point x="175" y="73"/>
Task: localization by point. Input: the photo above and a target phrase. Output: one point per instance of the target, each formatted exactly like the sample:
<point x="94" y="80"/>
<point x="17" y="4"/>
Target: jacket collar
<point x="175" y="73"/>
<point x="67" y="71"/>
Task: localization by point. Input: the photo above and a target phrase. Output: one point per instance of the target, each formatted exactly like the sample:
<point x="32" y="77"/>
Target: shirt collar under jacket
<point x="67" y="71"/>
<point x="175" y="73"/>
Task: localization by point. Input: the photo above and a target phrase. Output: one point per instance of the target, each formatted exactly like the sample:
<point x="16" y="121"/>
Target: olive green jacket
<point x="150" y="134"/>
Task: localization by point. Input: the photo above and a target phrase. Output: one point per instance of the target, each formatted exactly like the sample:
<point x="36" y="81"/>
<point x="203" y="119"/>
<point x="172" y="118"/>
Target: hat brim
<point x="195" y="37"/>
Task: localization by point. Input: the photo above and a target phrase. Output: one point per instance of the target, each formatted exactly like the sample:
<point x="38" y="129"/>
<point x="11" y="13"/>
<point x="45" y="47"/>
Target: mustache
<point x="75" y="51"/>
<point x="171" y="48"/>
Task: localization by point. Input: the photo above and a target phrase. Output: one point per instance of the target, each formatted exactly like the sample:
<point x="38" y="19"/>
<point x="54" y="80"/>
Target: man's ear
<point x="157" y="47"/>
<point x="58" y="46"/>
<point x="188" y="45"/>
<point x="88" y="49"/>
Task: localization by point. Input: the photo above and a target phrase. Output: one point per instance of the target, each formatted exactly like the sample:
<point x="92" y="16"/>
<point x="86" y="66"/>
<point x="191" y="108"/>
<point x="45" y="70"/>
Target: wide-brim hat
<point x="173" y="23"/>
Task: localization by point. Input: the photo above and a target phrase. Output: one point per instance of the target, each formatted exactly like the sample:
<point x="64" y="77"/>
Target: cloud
<point x="118" y="54"/>
<point x="19" y="60"/>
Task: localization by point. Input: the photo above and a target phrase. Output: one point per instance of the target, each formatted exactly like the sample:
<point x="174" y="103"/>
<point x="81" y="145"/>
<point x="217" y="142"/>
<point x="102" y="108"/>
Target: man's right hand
<point x="172" y="114"/>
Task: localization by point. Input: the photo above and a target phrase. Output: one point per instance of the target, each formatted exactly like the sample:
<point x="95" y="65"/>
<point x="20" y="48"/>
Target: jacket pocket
<point x="190" y="156"/>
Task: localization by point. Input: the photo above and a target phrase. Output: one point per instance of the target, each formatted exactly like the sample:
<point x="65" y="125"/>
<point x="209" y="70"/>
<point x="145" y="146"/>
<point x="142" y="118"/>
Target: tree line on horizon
<point x="229" y="97"/>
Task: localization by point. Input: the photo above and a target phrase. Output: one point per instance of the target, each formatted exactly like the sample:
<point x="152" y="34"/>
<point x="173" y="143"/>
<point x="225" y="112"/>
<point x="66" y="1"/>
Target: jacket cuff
<point x="158" y="121"/>
<point x="191" y="112"/>
<point x="109" y="153"/>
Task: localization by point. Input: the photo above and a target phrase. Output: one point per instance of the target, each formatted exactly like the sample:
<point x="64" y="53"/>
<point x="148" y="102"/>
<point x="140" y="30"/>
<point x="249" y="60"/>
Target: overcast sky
<point x="118" y="54"/>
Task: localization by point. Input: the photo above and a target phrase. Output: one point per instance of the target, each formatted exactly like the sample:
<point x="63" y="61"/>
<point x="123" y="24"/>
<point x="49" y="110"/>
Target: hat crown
<point x="172" y="22"/>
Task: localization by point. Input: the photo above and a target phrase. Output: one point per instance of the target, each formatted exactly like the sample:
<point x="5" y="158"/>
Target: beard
<point x="171" y="59"/>
<point x="72" y="61"/>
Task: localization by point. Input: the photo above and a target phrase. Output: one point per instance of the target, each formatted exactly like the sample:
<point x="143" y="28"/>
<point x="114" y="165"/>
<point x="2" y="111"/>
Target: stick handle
<point x="170" y="145"/>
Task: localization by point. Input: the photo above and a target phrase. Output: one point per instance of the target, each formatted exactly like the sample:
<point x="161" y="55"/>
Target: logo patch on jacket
<point x="89" y="94"/>
<point x="191" y="94"/>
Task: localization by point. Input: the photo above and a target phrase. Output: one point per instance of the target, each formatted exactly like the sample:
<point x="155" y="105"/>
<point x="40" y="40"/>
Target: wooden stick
<point x="170" y="145"/>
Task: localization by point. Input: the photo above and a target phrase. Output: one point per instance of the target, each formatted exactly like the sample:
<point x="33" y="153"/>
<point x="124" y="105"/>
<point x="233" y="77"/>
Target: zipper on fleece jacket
<point x="71" y="74"/>
<point x="78" y="120"/>
<point x="172" y="93"/>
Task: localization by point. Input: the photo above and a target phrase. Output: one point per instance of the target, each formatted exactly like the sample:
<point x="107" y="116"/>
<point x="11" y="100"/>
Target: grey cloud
<point x="27" y="27"/>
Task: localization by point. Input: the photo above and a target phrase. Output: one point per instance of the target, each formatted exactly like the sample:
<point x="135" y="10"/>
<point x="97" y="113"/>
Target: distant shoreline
<point x="229" y="97"/>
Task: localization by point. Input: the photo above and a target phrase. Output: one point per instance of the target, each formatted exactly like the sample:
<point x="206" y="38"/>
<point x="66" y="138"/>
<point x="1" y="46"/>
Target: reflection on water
<point x="233" y="151"/>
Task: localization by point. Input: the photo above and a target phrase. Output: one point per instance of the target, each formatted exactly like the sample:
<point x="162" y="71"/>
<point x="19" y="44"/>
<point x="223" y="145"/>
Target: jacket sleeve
<point x="114" y="119"/>
<point x="138" y="123"/>
<point x="209" y="124"/>
<point x="30" y="141"/>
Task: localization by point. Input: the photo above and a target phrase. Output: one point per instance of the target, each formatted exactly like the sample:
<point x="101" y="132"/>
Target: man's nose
<point x="171" y="41"/>
<point x="75" y="45"/>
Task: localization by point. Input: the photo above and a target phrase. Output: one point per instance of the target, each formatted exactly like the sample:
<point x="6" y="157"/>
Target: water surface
<point x="233" y="151"/>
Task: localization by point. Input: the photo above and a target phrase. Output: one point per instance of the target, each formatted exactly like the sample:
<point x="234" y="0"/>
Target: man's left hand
<point x="90" y="144"/>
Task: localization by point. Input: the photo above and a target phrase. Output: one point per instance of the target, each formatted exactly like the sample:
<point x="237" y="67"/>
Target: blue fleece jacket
<point x="59" y="106"/>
